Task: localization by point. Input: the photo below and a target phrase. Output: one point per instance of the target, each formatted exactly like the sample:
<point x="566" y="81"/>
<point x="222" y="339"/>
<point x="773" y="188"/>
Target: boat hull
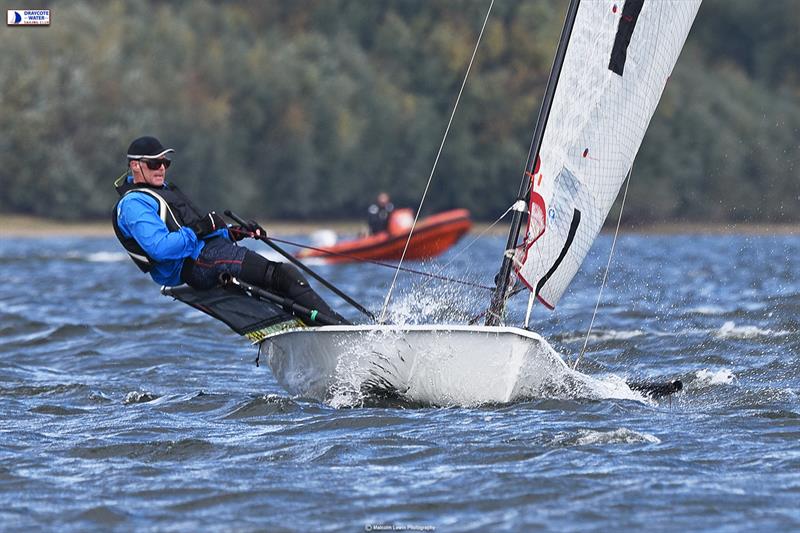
<point x="433" y="236"/>
<point x="436" y="365"/>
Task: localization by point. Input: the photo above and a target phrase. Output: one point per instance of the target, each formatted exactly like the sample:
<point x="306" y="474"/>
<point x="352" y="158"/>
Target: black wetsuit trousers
<point x="220" y="256"/>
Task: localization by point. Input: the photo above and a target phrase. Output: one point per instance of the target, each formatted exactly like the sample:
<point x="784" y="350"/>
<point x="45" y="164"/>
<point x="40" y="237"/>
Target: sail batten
<point x="617" y="63"/>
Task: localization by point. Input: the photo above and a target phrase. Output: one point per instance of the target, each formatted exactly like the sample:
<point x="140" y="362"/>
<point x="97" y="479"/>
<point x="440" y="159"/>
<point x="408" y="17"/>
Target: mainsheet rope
<point x="605" y="274"/>
<point x="382" y="317"/>
<point x="388" y="265"/>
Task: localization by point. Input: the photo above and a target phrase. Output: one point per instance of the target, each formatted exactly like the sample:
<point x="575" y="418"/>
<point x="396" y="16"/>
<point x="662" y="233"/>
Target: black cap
<point x="147" y="148"/>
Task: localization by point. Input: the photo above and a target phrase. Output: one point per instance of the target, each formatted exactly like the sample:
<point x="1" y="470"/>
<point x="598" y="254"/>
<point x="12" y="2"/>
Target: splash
<point x="459" y="369"/>
<point x="719" y="377"/>
<point x="439" y="305"/>
<point x="139" y="397"/>
<point x="363" y="373"/>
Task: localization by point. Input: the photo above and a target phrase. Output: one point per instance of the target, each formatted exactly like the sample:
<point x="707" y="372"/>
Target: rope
<point x="435" y="162"/>
<point x="380" y="263"/>
<point x="402" y="268"/>
<point x="468" y="246"/>
<point x="605" y="274"/>
<point x="482" y="314"/>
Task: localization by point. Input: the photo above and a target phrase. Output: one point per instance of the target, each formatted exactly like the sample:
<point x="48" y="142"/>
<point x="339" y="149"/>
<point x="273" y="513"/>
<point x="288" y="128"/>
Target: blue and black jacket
<point x="152" y="225"/>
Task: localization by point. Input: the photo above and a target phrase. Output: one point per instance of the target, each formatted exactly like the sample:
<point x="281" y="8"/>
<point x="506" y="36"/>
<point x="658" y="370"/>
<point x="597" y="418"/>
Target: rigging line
<point x="380" y="263"/>
<point x="468" y="245"/>
<point x="605" y="274"/>
<point x="482" y="314"/>
<point x="382" y="317"/>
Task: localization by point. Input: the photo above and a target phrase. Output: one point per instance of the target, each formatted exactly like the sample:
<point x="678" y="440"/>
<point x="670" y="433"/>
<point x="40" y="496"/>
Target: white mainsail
<point x="617" y="63"/>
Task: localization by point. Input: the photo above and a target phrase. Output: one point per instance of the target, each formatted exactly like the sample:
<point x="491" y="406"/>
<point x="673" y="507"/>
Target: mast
<point x="498" y="302"/>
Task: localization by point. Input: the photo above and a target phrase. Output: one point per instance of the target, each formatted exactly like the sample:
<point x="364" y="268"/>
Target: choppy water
<point x="124" y="410"/>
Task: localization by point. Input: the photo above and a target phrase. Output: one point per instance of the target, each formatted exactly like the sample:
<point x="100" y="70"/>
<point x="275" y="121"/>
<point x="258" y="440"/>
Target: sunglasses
<point x="155" y="164"/>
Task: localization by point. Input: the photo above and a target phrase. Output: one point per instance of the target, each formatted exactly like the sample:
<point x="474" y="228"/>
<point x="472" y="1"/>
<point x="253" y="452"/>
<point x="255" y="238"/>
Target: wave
<point x="706" y="377"/>
<point x="58" y="389"/>
<point x="730" y="330"/>
<point x="590" y="437"/>
<point x="606" y="335"/>
<point x="70" y="256"/>
<point x="707" y="310"/>
<point x="168" y="450"/>
<point x="139" y="397"/>
<point x="263" y="406"/>
<point x="106" y="257"/>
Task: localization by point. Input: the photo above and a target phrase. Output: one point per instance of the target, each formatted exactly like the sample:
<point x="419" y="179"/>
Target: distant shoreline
<point x="19" y="226"/>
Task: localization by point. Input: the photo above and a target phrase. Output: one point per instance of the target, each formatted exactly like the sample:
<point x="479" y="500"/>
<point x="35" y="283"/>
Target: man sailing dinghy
<point x="168" y="237"/>
<point x="612" y="63"/>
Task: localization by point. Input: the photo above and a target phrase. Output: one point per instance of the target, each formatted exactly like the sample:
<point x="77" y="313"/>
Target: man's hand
<point x="255" y="229"/>
<point x="238" y="233"/>
<point x="208" y="225"/>
<point x="251" y="230"/>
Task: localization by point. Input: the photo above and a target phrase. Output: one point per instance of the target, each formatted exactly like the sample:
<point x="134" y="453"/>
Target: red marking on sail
<point x="537" y="165"/>
<point x="537" y="221"/>
<point x="534" y="181"/>
<point x="586" y="152"/>
<point x="614" y="9"/>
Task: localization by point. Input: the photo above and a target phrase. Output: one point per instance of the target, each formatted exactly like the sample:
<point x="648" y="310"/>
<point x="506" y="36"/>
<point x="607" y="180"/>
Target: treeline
<point x="306" y="109"/>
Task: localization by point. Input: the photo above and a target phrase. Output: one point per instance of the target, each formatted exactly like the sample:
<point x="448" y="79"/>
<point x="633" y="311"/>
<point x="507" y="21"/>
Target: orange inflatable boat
<point x="432" y="236"/>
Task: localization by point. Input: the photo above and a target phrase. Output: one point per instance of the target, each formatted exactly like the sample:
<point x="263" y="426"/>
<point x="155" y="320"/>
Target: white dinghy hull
<point x="437" y="365"/>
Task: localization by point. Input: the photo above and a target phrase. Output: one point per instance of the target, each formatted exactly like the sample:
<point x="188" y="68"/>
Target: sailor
<point x="168" y="237"/>
<point x="378" y="214"/>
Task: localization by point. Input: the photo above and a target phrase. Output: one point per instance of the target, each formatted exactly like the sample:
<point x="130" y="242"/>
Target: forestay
<point x="617" y="63"/>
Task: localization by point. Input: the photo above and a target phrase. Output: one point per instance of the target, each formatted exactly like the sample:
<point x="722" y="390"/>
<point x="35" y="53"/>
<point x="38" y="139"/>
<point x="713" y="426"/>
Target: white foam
<point x="607" y="335"/>
<point x="730" y="330"/>
<point x="106" y="257"/>
<point x="607" y="387"/>
<point x="139" y="397"/>
<point x="719" y="377"/>
<point x="588" y="437"/>
<point x="707" y="310"/>
<point x="324" y="238"/>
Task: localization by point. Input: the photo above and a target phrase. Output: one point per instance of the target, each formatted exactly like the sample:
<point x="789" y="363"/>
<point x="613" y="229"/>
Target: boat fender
<point x="400" y="221"/>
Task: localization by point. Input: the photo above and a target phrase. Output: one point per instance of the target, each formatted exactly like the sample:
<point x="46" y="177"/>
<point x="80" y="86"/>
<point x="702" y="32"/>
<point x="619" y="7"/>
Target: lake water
<point x="122" y="409"/>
